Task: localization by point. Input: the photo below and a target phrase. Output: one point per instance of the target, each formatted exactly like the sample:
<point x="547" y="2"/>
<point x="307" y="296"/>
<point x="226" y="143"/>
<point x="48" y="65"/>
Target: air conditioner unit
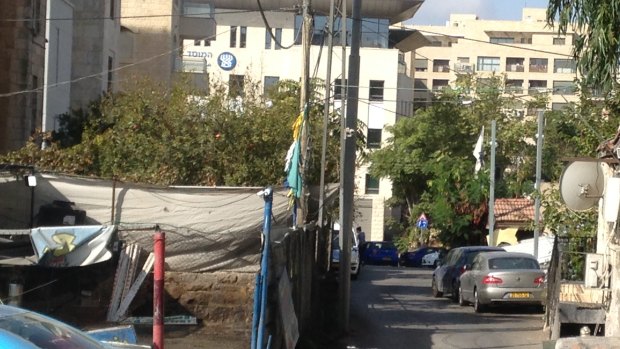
<point x="594" y="270"/>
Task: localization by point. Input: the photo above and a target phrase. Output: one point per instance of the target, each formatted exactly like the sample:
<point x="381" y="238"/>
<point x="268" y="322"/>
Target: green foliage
<point x="597" y="45"/>
<point x="178" y="136"/>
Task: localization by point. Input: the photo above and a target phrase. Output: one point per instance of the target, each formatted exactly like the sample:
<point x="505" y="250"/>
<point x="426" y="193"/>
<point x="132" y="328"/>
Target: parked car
<point x="446" y="277"/>
<point x="432" y="259"/>
<point x="336" y="251"/>
<point x="380" y="252"/>
<point x="414" y="258"/>
<point x="25" y="329"/>
<point x="495" y="278"/>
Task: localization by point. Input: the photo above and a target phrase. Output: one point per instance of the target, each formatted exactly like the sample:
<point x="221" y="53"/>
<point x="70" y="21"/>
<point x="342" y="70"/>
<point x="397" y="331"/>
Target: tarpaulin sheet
<point x="207" y="228"/>
<point x="72" y="246"/>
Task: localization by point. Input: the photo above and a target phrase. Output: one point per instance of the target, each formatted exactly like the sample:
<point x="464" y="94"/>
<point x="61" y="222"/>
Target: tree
<point x="597" y="45"/>
<point x="176" y="135"/>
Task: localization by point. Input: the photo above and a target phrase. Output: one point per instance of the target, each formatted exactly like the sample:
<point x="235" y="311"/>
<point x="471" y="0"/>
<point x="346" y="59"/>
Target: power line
<point x="268" y="27"/>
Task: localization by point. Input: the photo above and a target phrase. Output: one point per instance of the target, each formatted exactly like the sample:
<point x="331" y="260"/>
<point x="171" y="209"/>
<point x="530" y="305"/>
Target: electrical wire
<point x="268" y="27"/>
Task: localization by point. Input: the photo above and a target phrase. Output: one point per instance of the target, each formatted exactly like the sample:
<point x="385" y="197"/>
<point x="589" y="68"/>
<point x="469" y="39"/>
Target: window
<point x="502" y="40"/>
<point x="243" y="33"/>
<point x="515" y="64"/>
<point x="526" y="40"/>
<point x="233" y="36"/>
<point x="538" y="65"/>
<point x="559" y="41"/>
<point x="441" y="65"/>
<point x="421" y="64"/>
<point x="439" y="85"/>
<point x="373" y="138"/>
<point x="270" y="82"/>
<point x="375" y="31"/>
<point x="488" y="63"/>
<point x="563" y="88"/>
<point x="372" y="185"/>
<point x="376" y="90"/>
<point x="537" y="86"/>
<point x="110" y="73"/>
<point x="267" y="39"/>
<point x="514" y="86"/>
<point x="278" y="38"/>
<point x="197" y="42"/>
<point x="564" y="66"/>
<point x="235" y="85"/>
<point x="339" y="88"/>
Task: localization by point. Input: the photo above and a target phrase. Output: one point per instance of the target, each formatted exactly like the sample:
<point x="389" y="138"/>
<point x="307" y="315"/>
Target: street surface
<point x="393" y="308"/>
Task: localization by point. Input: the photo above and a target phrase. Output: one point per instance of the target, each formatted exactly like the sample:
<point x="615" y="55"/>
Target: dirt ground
<point x="186" y="338"/>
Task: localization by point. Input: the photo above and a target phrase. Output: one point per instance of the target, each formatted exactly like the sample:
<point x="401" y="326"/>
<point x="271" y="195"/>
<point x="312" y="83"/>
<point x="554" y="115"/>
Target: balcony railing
<point x="463" y="68"/>
<point x="520" y="68"/>
<point x="538" y="68"/>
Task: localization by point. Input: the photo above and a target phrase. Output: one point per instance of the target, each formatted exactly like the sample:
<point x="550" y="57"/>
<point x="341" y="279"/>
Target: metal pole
<point x="492" y="188"/>
<point x="306" y="37"/>
<point x="264" y="265"/>
<point x="343" y="73"/>
<point x="158" y="289"/>
<point x="328" y="81"/>
<point x="347" y="170"/>
<point x="539" y="145"/>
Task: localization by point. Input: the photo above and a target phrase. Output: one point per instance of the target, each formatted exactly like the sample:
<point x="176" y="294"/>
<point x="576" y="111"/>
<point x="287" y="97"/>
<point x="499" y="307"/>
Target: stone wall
<point x="223" y="301"/>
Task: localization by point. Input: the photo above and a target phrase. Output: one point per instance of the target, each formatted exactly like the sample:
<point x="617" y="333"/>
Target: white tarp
<point x="545" y="248"/>
<point x="207" y="229"/>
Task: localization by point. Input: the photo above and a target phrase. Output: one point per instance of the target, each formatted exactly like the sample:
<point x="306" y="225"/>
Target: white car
<point x="430" y="260"/>
<point x="355" y="256"/>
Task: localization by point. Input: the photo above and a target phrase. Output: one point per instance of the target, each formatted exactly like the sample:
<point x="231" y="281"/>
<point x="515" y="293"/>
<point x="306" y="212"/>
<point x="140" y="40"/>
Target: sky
<point x="437" y="12"/>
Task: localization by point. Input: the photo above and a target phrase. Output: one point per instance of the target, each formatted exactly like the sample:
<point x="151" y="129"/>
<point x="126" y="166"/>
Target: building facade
<point x="22" y="56"/>
<point x="243" y="47"/>
<point x="533" y="57"/>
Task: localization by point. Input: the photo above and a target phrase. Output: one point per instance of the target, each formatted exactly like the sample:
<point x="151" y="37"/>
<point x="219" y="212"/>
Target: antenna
<point x="582" y="184"/>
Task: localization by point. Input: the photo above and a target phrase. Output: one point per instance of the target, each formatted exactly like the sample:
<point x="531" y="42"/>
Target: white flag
<point x="478" y="151"/>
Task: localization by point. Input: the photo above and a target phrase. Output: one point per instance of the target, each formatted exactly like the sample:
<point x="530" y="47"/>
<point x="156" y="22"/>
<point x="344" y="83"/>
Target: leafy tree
<point x="597" y="45"/>
<point x="176" y="135"/>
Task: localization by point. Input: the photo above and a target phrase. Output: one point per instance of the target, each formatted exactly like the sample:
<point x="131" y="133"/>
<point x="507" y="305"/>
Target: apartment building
<point x="243" y="46"/>
<point x="81" y="55"/>
<point x="22" y="57"/>
<point x="533" y="57"/>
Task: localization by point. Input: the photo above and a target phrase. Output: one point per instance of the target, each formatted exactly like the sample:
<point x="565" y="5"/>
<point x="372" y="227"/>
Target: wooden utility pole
<point x="306" y="37"/>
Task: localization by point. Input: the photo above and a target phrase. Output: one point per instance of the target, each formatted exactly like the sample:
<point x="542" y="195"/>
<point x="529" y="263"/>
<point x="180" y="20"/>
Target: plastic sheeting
<point x="207" y="228"/>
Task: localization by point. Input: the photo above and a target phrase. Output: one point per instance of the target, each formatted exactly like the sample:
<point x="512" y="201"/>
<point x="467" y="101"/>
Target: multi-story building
<point x="243" y="47"/>
<point x="81" y="57"/>
<point x="22" y="56"/>
<point x="533" y="57"/>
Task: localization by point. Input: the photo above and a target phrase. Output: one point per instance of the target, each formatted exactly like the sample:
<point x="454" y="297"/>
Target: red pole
<point x="158" y="290"/>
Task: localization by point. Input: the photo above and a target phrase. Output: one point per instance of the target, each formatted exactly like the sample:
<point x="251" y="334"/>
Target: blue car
<point x="414" y="258"/>
<point x="25" y="329"/>
<point x="380" y="252"/>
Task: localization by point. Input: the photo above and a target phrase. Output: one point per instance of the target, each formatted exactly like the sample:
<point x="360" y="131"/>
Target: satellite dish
<point x="582" y="184"/>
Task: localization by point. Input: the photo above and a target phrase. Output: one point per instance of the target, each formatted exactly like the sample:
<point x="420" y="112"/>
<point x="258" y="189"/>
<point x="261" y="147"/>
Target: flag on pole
<point x="478" y="151"/>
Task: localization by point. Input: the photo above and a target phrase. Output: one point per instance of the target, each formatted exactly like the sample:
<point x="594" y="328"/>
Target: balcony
<point x="538" y="68"/>
<point x="464" y="68"/>
<point x="441" y="69"/>
<point x="519" y="68"/>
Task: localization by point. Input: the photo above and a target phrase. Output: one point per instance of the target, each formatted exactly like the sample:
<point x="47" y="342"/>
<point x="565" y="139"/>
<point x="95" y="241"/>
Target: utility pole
<point x="492" y="188"/>
<point x="328" y="80"/>
<point x="306" y="37"/>
<point x="347" y="163"/>
<point x="539" y="145"/>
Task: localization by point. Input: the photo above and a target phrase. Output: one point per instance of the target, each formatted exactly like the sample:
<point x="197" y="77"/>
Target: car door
<point x="448" y="277"/>
<point x="468" y="279"/>
<point x="440" y="272"/>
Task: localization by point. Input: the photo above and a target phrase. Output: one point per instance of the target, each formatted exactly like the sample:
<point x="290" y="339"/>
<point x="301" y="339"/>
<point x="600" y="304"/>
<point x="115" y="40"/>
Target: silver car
<point x="496" y="278"/>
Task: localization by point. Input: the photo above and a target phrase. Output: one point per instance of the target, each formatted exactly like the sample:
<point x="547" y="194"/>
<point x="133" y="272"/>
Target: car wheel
<point x="455" y="291"/>
<point x="478" y="308"/>
<point x="436" y="292"/>
<point x="462" y="301"/>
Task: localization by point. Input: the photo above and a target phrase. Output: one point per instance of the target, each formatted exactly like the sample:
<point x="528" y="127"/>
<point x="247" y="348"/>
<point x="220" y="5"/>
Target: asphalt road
<point x="392" y="308"/>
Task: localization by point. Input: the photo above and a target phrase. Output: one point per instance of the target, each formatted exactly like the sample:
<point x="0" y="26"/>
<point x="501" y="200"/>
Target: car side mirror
<point x="467" y="267"/>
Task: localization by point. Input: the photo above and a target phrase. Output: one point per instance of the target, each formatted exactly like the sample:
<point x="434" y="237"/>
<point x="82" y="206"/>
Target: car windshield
<point x="47" y="333"/>
<point x="513" y="263"/>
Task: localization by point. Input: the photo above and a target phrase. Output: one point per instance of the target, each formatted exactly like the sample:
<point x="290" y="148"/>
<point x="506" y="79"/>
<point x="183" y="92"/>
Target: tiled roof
<point x="514" y="210"/>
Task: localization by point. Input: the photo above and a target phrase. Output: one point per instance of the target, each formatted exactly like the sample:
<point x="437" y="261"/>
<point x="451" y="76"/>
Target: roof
<point x="513" y="211"/>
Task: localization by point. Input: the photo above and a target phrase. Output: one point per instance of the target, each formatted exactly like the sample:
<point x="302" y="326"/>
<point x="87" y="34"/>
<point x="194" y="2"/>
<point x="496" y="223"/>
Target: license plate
<point x="387" y="258"/>
<point x="519" y="295"/>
